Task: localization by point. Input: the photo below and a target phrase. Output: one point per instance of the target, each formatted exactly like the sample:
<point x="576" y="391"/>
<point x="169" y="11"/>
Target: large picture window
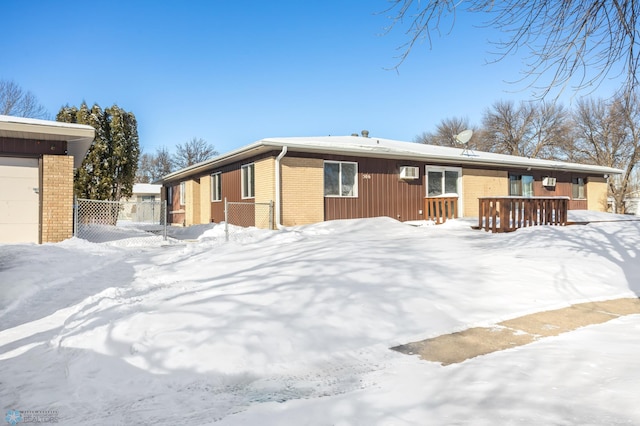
<point x="577" y="189"/>
<point x="521" y="185"/>
<point x="443" y="182"/>
<point x="248" y="181"/>
<point x="216" y="187"/>
<point x="340" y="179"/>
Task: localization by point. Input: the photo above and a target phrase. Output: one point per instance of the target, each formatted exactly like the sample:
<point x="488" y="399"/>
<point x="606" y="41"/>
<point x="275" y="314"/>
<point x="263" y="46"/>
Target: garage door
<point x="19" y="200"/>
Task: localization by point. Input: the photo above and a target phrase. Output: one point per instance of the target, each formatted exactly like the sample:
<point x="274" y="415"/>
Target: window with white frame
<point x="170" y="195"/>
<point x="216" y="187"/>
<point x="521" y="185"/>
<point x="443" y="181"/>
<point x="577" y="189"/>
<point x="183" y="190"/>
<point x="248" y="181"/>
<point x="340" y="179"/>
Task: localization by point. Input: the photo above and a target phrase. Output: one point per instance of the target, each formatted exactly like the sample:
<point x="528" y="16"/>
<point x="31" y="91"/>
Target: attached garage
<point x="19" y="200"/>
<point x="37" y="160"/>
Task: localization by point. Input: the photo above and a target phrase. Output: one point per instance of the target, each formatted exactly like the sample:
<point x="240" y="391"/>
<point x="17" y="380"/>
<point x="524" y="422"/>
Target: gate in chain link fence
<point x="244" y="214"/>
<point x="128" y="222"/>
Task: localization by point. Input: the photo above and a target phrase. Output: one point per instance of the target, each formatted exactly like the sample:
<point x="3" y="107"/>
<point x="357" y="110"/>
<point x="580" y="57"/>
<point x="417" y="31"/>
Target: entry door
<point x="19" y="200"/>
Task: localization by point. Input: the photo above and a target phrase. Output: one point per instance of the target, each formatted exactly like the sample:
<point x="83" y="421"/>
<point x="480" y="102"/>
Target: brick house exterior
<point x="342" y="177"/>
<point x="37" y="160"/>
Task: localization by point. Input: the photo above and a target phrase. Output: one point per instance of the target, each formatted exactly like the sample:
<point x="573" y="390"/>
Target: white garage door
<point x="19" y="200"/>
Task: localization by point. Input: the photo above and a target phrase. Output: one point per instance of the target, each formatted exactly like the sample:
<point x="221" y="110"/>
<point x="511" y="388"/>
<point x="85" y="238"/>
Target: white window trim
<point x="253" y="194"/>
<point x="584" y="189"/>
<point x="214" y="187"/>
<point x="355" y="184"/>
<point x="443" y="169"/>
<point x="183" y="190"/>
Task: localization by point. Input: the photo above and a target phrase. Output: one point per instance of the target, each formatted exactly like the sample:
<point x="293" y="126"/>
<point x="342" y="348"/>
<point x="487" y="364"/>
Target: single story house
<point x="145" y="192"/>
<point x="315" y="179"/>
<point x="37" y="160"/>
<point x="631" y="203"/>
<point x="143" y="205"/>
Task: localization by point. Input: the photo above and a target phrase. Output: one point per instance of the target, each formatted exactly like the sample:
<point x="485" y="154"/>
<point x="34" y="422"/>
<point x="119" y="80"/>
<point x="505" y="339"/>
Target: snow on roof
<point x="77" y="136"/>
<point x="388" y="148"/>
<point x="392" y="148"/>
<point x="39" y="122"/>
<point x="146" y="188"/>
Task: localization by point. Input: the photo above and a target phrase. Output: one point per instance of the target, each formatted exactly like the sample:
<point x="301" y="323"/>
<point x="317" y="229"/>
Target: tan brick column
<point x="597" y="194"/>
<point x="192" y="202"/>
<point x="56" y="198"/>
<point x="205" y="199"/>
<point x="302" y="191"/>
<point x="265" y="190"/>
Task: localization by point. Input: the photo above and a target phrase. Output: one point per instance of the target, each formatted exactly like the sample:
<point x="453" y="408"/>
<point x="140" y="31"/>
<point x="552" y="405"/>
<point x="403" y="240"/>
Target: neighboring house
<point x="37" y="160"/>
<point x="143" y="205"/>
<point x="145" y="192"/>
<point x="631" y="203"/>
<point x="342" y="177"/>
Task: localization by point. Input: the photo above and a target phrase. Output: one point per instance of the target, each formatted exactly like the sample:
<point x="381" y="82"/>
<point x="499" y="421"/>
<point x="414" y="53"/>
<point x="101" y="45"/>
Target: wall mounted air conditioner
<point x="548" y="181"/>
<point x="409" y="172"/>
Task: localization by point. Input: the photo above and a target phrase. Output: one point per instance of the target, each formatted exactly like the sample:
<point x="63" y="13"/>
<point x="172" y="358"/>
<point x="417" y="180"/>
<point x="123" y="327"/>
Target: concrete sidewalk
<point x="457" y="347"/>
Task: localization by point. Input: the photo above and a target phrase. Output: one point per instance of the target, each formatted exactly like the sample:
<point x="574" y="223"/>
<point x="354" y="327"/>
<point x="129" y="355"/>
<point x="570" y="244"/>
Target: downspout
<point x="278" y="201"/>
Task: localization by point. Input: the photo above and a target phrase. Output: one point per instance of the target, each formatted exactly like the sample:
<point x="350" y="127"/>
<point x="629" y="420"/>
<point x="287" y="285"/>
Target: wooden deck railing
<point x="439" y="209"/>
<point x="505" y="214"/>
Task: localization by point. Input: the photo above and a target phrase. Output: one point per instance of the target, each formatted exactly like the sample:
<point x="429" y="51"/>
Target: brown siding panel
<point x="381" y="192"/>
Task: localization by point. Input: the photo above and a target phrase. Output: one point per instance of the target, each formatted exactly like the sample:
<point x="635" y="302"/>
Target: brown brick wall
<point x="482" y="183"/>
<point x="56" y="202"/>
<point x="302" y="191"/>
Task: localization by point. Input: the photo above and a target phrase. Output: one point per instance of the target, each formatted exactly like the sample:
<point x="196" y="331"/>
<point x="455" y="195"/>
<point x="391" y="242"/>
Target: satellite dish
<point x="464" y="136"/>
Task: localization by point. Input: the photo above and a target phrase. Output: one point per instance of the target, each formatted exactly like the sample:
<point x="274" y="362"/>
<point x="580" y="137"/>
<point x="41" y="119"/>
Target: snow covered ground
<point x="294" y="327"/>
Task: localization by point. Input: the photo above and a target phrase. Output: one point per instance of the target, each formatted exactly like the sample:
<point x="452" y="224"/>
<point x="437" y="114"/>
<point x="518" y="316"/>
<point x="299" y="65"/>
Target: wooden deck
<point x="506" y="214"/>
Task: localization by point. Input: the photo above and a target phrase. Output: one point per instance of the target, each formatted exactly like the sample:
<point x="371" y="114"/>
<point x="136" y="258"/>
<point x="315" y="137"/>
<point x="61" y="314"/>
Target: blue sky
<point x="235" y="72"/>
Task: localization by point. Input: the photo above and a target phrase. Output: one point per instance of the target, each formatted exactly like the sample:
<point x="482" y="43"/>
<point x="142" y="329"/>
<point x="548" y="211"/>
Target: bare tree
<point x="569" y="42"/>
<point x="152" y="167"/>
<point x="192" y="152"/>
<point x="18" y="103"/>
<point x="607" y="133"/>
<point x="535" y="130"/>
<point x="446" y="131"/>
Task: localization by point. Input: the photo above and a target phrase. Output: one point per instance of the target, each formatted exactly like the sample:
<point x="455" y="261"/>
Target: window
<point x="147" y="198"/>
<point x="577" y="189"/>
<point x="521" y="185"/>
<point x="216" y="187"/>
<point x="183" y="190"/>
<point x="248" y="181"/>
<point x="442" y="182"/>
<point x="340" y="179"/>
<point x="170" y="195"/>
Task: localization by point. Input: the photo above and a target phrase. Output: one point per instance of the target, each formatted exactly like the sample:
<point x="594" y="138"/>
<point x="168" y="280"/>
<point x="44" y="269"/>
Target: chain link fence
<point x="244" y="214"/>
<point x="128" y="223"/>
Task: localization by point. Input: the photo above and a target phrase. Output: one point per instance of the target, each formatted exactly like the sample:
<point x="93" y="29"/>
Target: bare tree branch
<point x="570" y="43"/>
<point x="18" y="103"/>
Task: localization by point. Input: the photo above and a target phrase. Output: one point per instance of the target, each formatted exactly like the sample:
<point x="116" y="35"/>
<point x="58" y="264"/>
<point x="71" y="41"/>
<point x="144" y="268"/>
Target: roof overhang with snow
<point x="77" y="136"/>
<point x="386" y="148"/>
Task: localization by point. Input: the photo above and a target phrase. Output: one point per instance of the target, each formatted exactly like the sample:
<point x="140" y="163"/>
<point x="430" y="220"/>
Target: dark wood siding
<point x="563" y="186"/>
<point x="31" y="147"/>
<point x="380" y="192"/>
<point x="231" y="183"/>
<point x="173" y="205"/>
